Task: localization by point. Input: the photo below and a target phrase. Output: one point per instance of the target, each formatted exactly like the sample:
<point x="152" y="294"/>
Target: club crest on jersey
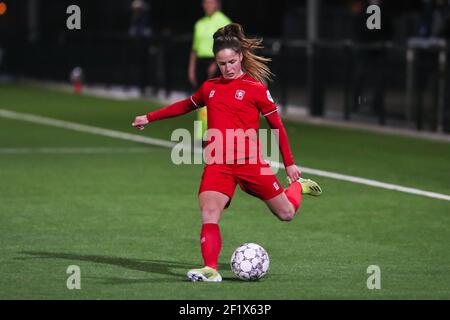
<point x="269" y="96"/>
<point x="239" y="94"/>
<point x="211" y="93"/>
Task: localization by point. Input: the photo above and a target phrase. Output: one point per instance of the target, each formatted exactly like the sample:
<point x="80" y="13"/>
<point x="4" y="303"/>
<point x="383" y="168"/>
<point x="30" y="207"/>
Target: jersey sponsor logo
<point x="269" y="96"/>
<point x="276" y="186"/>
<point x="239" y="94"/>
<point x="212" y="93"/>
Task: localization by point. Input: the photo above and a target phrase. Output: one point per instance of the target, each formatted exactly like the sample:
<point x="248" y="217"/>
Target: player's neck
<point x="238" y="77"/>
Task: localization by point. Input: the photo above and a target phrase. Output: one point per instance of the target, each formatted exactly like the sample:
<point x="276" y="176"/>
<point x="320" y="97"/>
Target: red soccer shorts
<point x="224" y="177"/>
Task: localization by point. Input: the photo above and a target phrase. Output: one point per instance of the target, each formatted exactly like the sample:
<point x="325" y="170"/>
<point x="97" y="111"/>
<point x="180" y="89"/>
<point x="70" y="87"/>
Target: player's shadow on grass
<point x="151" y="266"/>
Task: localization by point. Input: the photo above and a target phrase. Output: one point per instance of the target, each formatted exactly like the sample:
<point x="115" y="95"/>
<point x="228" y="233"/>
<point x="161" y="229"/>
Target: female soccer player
<point x="234" y="102"/>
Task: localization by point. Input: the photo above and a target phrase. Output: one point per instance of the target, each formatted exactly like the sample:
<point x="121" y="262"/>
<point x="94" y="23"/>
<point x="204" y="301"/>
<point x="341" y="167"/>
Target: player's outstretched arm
<point x="176" y="109"/>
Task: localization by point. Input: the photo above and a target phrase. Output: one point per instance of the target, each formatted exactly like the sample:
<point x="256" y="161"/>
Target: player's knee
<point x="286" y="214"/>
<point x="210" y="213"/>
<point x="286" y="218"/>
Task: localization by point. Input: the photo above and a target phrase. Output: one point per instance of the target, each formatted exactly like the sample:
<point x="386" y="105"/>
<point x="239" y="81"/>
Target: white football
<point x="250" y="262"/>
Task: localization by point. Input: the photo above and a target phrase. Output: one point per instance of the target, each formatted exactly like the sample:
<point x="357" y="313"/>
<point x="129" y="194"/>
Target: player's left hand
<point x="293" y="172"/>
<point x="140" y="122"/>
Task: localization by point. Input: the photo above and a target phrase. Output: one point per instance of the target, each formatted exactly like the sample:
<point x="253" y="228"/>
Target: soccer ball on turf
<point x="250" y="261"/>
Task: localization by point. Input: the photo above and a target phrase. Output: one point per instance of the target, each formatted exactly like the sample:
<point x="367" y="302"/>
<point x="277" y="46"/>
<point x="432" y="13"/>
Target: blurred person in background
<point x="202" y="65"/>
<point x="369" y="57"/>
<point x="433" y="28"/>
<point x="140" y="31"/>
<point x="434" y="20"/>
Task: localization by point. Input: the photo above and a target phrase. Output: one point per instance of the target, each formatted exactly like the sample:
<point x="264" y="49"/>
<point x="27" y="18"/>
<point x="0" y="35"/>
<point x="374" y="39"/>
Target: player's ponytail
<point x="232" y="36"/>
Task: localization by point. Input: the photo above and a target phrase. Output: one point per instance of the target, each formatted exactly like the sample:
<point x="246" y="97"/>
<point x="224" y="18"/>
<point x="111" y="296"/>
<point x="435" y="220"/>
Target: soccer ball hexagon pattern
<point x="250" y="262"/>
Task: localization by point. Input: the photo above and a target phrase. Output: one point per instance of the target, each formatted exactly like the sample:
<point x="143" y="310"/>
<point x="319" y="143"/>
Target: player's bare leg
<point x="281" y="207"/>
<point x="286" y="204"/>
<point x="212" y="204"/>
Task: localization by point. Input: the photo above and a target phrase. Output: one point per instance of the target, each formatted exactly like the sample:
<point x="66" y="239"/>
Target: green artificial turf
<point x="129" y="218"/>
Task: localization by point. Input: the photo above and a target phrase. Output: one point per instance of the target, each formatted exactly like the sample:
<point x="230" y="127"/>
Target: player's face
<point x="210" y="6"/>
<point x="229" y="62"/>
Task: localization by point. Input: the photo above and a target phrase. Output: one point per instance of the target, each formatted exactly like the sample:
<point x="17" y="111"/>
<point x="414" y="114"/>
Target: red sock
<point x="294" y="194"/>
<point x="211" y="243"/>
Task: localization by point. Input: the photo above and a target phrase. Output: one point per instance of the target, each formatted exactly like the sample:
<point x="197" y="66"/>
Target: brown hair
<point x="232" y="36"/>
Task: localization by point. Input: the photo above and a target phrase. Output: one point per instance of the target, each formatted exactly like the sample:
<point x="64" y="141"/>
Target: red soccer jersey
<point x="235" y="105"/>
<point x="232" y="105"/>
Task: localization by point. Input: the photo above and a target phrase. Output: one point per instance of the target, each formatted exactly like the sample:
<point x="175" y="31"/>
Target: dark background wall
<point x="262" y="17"/>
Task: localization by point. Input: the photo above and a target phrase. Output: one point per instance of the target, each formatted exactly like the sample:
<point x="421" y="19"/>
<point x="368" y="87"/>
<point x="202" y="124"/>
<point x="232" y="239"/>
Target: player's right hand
<point x="140" y="122"/>
<point x="293" y="172"/>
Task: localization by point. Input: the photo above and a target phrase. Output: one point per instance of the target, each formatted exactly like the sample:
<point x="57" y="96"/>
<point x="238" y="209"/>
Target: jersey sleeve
<point x="178" y="108"/>
<point x="198" y="97"/>
<point x="264" y="101"/>
<point x="275" y="122"/>
<point x="269" y="110"/>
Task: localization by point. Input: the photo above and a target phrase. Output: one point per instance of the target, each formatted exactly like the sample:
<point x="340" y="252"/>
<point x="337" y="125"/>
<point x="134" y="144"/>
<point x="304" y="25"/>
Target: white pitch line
<point x="84" y="128"/>
<point x="368" y="182"/>
<point x="73" y="150"/>
<point x="167" y="144"/>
